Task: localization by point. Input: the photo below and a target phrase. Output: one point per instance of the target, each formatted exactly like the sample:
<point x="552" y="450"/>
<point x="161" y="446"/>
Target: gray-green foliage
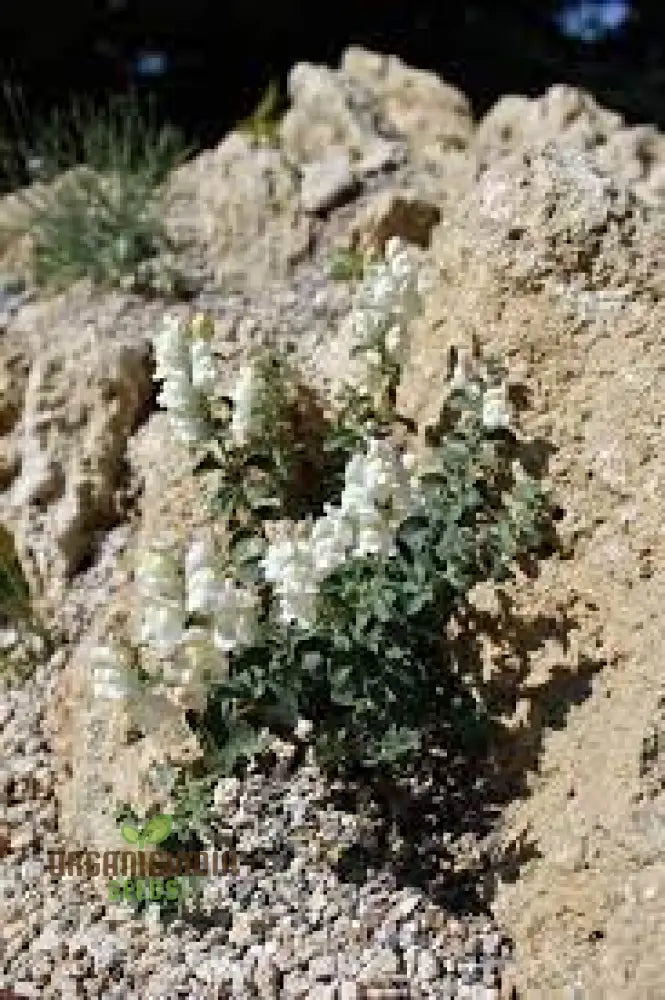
<point x="97" y="208"/>
<point x="376" y="677"/>
<point x="293" y="463"/>
<point x="346" y="264"/>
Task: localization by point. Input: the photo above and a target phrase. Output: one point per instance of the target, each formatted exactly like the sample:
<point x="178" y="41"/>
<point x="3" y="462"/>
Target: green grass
<point x="14" y="594"/>
<point x="98" y="206"/>
<point x="263" y="124"/>
<point x="16" y="612"/>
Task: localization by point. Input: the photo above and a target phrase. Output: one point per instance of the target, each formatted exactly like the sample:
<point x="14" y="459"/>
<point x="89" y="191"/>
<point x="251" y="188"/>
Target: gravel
<point x="288" y="925"/>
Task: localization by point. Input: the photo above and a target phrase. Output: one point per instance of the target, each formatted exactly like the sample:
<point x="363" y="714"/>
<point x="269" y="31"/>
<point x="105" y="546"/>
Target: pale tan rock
<point x="557" y="267"/>
<point x="236" y="208"/>
<point x="563" y="113"/>
<point x="327" y="183"/>
<point x="433" y="116"/>
<point x="82" y="388"/>
<point x="573" y="118"/>
<point x="123" y="767"/>
<point x="327" y="111"/>
<point x="16" y="244"/>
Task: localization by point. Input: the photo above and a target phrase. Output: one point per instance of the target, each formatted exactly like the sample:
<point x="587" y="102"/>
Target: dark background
<point x="220" y="55"/>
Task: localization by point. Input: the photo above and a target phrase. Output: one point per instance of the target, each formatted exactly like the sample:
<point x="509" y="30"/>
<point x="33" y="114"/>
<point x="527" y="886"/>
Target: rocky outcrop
<point x="556" y="267"/>
<point x="77" y="383"/>
<point x="236" y="206"/>
<point x="432" y="116"/>
<point x="633" y="155"/>
<point x="247" y="208"/>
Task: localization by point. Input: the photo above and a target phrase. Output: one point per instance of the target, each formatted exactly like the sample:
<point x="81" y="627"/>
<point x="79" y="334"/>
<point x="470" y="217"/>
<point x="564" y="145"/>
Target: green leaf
<point x="157" y="829"/>
<point x="242" y="743"/>
<point x="130" y="834"/>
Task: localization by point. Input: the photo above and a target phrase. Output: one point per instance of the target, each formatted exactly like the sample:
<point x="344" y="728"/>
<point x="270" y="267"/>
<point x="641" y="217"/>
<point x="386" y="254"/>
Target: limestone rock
<point x="110" y="753"/>
<point x="327" y="111"/>
<point x="563" y="113"/>
<point x="73" y="397"/>
<point x="327" y="183"/>
<point x="571" y="117"/>
<point x="434" y="117"/>
<point x="236" y="207"/>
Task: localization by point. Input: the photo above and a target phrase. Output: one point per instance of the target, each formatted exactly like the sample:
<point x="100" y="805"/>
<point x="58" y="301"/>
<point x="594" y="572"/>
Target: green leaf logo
<point x="155" y="831"/>
<point x="130" y="833"/>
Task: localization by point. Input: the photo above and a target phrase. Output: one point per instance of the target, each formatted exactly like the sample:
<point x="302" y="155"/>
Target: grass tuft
<point x="95" y="192"/>
<point x="263" y="124"/>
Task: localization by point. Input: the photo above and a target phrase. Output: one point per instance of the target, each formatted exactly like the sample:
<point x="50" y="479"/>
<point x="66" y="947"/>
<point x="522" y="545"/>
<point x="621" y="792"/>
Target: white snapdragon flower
<point x="204" y="370"/>
<point x="374" y="534"/>
<point x="303" y="729"/>
<point x="162" y="623"/>
<point x="236" y="617"/>
<point x="187" y="429"/>
<point x="376" y="479"/>
<point x="195" y="666"/>
<point x="518" y="471"/>
<point x="379" y="493"/>
<point x="289" y="565"/>
<point x="413" y="470"/>
<point x="171" y="349"/>
<point x="392" y="284"/>
<point x="201" y="577"/>
<point x="388" y="299"/>
<point x="405" y="275"/>
<point x="232" y="609"/>
<point x="203" y="593"/>
<point x="332" y="537"/>
<point x="395" y="340"/>
<point x="187" y="368"/>
<point x="160" y="590"/>
<point x="246" y="394"/>
<point x="178" y="394"/>
<point x="111" y="676"/>
<point x="157" y="575"/>
<point x="280" y="552"/>
<point x="496" y="412"/>
<point x="298" y="590"/>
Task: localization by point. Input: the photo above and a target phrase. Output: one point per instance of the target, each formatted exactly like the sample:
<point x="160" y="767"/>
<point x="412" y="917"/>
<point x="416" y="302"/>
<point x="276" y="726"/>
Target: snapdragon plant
<point x="344" y="560"/>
